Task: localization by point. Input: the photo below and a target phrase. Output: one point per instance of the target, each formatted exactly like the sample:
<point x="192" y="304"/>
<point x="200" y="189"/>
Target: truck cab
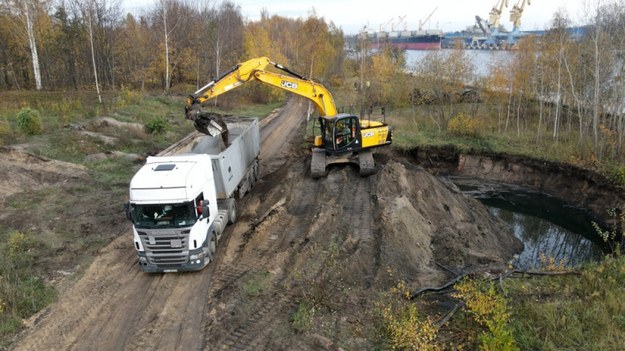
<point x="174" y="211"/>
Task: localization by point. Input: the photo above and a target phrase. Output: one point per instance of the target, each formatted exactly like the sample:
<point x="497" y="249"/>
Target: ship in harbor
<point x="421" y="39"/>
<point x="407" y="40"/>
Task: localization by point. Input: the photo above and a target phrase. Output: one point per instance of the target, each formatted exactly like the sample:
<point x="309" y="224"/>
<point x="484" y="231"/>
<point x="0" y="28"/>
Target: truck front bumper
<point x="189" y="266"/>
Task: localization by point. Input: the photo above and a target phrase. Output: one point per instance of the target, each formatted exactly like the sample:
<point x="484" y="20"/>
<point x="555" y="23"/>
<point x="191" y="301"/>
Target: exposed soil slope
<point x="335" y="242"/>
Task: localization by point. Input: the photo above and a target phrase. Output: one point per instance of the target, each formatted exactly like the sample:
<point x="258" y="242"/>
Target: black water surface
<point x="552" y="231"/>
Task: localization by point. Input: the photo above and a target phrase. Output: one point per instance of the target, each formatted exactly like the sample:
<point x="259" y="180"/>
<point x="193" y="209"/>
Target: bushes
<point x="490" y="310"/>
<point x="406" y="329"/>
<point x="403" y="326"/>
<point x="463" y="125"/>
<point x="29" y="121"/>
<point x="158" y="125"/>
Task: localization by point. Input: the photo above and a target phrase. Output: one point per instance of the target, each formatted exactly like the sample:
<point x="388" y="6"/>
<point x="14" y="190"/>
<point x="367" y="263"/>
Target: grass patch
<point x="477" y="129"/>
<point x="22" y="290"/>
<point x="585" y="312"/>
<point x="255" y="110"/>
<point x="257" y="284"/>
<point x="302" y="318"/>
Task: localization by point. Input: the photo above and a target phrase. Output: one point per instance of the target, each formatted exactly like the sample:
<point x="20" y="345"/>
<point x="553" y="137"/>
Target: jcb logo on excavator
<point x="289" y="85"/>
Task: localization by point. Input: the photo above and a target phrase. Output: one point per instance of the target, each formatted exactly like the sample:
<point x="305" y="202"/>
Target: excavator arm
<point x="254" y="69"/>
<point x="317" y="93"/>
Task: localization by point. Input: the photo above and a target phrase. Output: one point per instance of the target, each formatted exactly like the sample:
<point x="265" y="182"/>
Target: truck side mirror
<point x="205" y="210"/>
<point x="128" y="210"/>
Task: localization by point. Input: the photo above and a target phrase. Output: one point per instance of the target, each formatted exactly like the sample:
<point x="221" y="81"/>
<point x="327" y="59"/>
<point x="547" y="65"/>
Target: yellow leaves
<point x="464" y="125"/>
<point x="406" y="330"/>
<point x="386" y="77"/>
<point x="550" y="264"/>
<point x="490" y="309"/>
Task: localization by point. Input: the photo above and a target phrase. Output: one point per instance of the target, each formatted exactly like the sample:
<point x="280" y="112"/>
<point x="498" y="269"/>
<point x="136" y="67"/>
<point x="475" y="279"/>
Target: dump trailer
<point x="181" y="200"/>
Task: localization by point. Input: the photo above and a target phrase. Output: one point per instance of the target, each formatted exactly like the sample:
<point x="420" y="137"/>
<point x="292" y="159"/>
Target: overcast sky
<point x="351" y="16"/>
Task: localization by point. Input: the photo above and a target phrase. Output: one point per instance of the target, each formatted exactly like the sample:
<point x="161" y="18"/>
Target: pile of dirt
<point x="462" y="234"/>
<point x="338" y="243"/>
<point x="22" y="170"/>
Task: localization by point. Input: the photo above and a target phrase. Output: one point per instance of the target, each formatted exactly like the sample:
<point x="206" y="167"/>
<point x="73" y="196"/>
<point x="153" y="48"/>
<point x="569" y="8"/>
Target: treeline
<point x="71" y="44"/>
<point x="565" y="87"/>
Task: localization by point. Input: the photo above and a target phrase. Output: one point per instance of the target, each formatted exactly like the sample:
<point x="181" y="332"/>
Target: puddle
<point x="550" y="229"/>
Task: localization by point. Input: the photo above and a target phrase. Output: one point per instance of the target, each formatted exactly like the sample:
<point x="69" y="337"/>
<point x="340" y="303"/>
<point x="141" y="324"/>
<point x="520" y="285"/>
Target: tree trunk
<point x="95" y="70"/>
<point x="166" y="47"/>
<point x="556" y="119"/>
<point x="33" y="46"/>
<point x="595" y="103"/>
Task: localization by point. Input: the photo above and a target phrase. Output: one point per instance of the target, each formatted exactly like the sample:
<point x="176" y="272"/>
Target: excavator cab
<point x="340" y="142"/>
<point x="340" y="134"/>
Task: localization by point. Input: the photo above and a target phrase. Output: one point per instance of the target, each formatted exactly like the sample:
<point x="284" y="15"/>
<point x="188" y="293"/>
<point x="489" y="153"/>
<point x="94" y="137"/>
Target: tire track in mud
<point x="358" y="209"/>
<point x="292" y="225"/>
<point x="173" y="324"/>
<point x="89" y="302"/>
<point x="252" y="334"/>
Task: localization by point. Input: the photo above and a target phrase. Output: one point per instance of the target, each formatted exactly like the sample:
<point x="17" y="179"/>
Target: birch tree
<point x="27" y="5"/>
<point x="164" y="4"/>
<point x="25" y="10"/>
<point x="89" y="14"/>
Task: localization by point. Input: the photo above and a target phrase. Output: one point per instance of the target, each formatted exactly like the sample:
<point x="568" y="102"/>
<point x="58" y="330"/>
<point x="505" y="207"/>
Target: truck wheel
<point x="232" y="211"/>
<point x="212" y="246"/>
<point x="256" y="171"/>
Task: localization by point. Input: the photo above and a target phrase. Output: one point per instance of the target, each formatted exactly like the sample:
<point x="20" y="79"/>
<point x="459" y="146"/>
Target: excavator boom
<point x="254" y="69"/>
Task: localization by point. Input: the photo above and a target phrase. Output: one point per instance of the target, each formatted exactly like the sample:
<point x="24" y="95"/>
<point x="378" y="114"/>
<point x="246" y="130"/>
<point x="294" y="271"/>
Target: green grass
<point x="256" y="284"/>
<point x="302" y="318"/>
<point x="585" y="312"/>
<point x="255" y="110"/>
<point x="22" y="291"/>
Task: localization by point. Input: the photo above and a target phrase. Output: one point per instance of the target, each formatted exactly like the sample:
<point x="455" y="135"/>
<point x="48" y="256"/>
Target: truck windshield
<point x="164" y="216"/>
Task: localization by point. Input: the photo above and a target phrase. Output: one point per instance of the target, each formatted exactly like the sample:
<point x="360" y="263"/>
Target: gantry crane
<point x="517" y="12"/>
<point x="495" y="13"/>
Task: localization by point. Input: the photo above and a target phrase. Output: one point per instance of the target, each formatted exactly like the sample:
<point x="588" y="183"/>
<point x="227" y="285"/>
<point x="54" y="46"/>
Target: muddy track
<point x="283" y="234"/>
<point x="115" y="306"/>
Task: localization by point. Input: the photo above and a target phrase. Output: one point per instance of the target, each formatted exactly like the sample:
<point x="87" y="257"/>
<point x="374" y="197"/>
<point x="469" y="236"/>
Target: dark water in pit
<point x="547" y="226"/>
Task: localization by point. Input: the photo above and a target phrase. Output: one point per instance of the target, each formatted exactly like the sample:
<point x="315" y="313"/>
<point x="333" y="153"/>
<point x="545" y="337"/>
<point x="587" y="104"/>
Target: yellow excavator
<point x="344" y="138"/>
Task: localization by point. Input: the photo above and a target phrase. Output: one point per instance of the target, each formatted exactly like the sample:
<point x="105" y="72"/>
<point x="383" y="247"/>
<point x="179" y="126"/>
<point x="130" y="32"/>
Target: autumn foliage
<point x="173" y="43"/>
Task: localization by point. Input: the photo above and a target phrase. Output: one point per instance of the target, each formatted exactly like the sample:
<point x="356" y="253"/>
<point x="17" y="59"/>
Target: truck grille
<point x="166" y="247"/>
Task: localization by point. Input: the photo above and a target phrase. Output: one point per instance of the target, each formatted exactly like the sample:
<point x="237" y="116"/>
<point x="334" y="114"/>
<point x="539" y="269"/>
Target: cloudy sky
<point x="449" y="15"/>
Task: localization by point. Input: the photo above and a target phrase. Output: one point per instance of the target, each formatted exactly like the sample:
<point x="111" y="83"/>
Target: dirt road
<point x="332" y="243"/>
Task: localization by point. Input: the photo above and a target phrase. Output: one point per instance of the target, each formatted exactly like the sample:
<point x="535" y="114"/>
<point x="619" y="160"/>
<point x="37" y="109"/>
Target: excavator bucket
<point x="208" y="123"/>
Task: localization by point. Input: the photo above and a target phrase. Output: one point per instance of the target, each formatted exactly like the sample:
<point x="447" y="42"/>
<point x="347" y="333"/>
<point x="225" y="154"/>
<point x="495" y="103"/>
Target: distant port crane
<point x="517" y="12"/>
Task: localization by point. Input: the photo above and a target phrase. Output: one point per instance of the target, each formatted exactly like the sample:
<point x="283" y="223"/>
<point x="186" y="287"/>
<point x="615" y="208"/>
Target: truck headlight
<point x="199" y="255"/>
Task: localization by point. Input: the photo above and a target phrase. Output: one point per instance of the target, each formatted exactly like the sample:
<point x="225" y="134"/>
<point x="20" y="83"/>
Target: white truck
<point x="181" y="200"/>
